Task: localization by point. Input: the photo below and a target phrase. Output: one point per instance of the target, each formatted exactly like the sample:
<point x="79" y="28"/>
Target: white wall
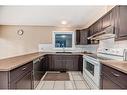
<point x="12" y="44"/>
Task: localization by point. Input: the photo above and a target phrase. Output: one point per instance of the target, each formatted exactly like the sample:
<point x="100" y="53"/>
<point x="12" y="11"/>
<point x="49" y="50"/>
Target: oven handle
<point x="92" y="62"/>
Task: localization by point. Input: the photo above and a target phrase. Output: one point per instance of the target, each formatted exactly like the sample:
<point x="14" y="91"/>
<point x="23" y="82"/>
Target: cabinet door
<point x="69" y="62"/>
<point x="122" y="23"/>
<point x="77" y="37"/>
<point x="106" y="20"/>
<point x="76" y="63"/>
<point x="80" y="63"/>
<point x="83" y="37"/>
<point x="57" y="62"/>
<point x="114" y="20"/>
<point x="25" y="82"/>
<point x="50" y="63"/>
<point x="108" y="84"/>
<point x="91" y="31"/>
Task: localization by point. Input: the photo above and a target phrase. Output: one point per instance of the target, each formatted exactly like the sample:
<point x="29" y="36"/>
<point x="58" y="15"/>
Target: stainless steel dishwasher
<point x="38" y="71"/>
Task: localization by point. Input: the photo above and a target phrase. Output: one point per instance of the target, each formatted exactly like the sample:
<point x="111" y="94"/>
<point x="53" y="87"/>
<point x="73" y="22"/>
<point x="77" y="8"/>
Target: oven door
<point x="91" y="70"/>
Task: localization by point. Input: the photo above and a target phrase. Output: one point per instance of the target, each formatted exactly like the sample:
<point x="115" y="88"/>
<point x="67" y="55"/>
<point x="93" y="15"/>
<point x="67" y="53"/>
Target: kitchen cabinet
<point x="97" y="26"/>
<point x="25" y="82"/>
<point x="116" y="18"/>
<point x="77" y="37"/>
<point x="90" y="31"/>
<point x="50" y="62"/>
<point x="64" y="62"/>
<point x="81" y="37"/>
<point x="69" y="63"/>
<point x="57" y="62"/>
<point x="112" y="78"/>
<point x="106" y="20"/>
<point x="18" y="78"/>
<point x="122" y="22"/>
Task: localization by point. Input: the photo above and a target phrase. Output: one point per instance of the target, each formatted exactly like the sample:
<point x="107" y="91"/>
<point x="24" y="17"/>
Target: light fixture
<point x="64" y="22"/>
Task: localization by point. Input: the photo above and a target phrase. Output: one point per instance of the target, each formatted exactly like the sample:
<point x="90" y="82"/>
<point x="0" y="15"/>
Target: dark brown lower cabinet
<point x="18" y="78"/>
<point x="65" y="62"/>
<point x="25" y="82"/>
<point x="112" y="78"/>
<point x="107" y="83"/>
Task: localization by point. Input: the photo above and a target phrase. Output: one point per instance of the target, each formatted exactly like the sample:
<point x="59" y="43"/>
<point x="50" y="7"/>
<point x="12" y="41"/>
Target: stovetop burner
<point x="95" y="56"/>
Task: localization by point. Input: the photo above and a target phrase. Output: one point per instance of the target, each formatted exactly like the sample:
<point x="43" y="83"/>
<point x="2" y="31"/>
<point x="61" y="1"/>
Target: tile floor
<point x="76" y="83"/>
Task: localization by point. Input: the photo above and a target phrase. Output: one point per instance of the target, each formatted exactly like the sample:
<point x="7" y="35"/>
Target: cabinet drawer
<point x="116" y="76"/>
<point x="14" y="74"/>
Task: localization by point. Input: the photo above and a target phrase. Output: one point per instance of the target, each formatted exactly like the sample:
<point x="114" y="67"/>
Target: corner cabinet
<point x="81" y="37"/>
<point x="112" y="78"/>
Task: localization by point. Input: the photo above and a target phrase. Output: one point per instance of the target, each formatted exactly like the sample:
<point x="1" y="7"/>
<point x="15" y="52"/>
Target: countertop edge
<point x="115" y="67"/>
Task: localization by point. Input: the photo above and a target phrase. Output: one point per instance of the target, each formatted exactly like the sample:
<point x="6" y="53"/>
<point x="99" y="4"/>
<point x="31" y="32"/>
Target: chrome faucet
<point x="125" y="55"/>
<point x="63" y="49"/>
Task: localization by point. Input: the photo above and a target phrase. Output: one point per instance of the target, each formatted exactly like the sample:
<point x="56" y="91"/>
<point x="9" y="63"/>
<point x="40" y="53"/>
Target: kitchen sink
<point x="63" y="52"/>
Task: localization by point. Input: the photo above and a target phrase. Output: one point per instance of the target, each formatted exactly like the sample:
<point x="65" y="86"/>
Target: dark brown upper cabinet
<point x="122" y="23"/>
<point x="77" y="37"/>
<point x="106" y="20"/>
<point x="81" y="37"/>
<point x="116" y="18"/>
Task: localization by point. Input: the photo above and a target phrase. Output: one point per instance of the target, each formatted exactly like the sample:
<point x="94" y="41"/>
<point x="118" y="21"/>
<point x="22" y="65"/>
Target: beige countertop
<point x="118" y="65"/>
<point x="14" y="62"/>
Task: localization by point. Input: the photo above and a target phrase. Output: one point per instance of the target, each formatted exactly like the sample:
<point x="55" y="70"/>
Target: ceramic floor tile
<point x="76" y="82"/>
<point x="77" y="77"/>
<point x="79" y="73"/>
<point x="69" y="85"/>
<point x="80" y="85"/>
<point x="70" y="76"/>
<point x="59" y="85"/>
<point x="75" y="73"/>
<point x="39" y="86"/>
<point x="48" y="85"/>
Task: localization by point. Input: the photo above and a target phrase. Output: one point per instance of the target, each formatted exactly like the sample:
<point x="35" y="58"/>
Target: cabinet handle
<point x="24" y="69"/>
<point x="116" y="75"/>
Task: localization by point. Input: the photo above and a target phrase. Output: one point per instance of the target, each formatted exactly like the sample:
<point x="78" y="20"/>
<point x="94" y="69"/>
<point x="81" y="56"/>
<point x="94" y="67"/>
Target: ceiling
<point x="76" y="16"/>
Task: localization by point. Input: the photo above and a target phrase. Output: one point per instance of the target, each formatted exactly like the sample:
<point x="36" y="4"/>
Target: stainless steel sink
<point x="64" y="52"/>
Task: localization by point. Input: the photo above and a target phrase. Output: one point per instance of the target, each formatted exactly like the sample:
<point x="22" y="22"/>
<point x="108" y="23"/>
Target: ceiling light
<point x="64" y="22"/>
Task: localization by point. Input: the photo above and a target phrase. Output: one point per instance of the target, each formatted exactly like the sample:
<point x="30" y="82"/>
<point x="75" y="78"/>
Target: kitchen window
<point x="63" y="40"/>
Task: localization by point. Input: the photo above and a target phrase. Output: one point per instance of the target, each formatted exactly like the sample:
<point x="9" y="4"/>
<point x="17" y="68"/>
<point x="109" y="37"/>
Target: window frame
<point x="63" y="32"/>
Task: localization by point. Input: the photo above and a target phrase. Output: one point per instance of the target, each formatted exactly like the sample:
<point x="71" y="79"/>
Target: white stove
<point x="91" y="64"/>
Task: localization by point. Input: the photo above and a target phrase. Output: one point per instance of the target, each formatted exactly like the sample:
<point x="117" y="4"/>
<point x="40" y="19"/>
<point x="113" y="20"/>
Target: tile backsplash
<point x="104" y="44"/>
<point x="113" y="47"/>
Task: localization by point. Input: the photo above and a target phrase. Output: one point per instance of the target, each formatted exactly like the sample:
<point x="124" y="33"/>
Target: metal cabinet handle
<point x="24" y="69"/>
<point x="116" y="75"/>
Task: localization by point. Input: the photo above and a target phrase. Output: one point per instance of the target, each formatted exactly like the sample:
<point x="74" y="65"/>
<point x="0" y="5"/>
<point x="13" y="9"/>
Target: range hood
<point x="106" y="33"/>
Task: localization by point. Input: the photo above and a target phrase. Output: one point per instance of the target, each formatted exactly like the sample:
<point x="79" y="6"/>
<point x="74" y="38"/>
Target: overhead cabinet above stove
<point x="115" y="18"/>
